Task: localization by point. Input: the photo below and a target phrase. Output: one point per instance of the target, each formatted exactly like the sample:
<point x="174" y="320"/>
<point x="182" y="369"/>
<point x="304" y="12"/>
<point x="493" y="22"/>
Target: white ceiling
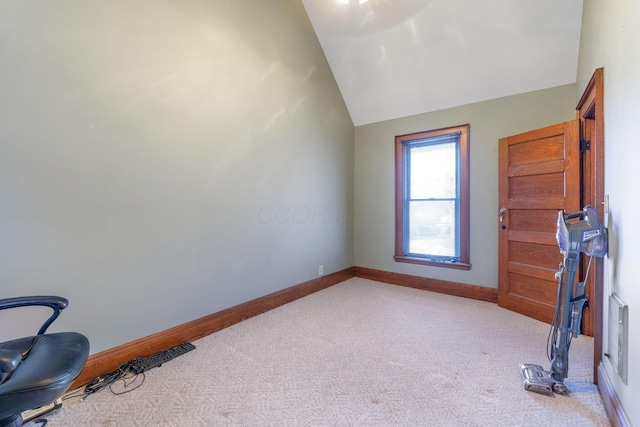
<point x="395" y="58"/>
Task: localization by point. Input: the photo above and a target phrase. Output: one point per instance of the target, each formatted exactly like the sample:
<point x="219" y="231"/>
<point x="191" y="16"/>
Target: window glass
<point x="432" y="212"/>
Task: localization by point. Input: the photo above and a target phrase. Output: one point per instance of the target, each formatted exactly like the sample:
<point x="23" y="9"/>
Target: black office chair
<point x="36" y="371"/>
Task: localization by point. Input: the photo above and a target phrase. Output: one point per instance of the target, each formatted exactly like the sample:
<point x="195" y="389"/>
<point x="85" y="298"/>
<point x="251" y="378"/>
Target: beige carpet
<point x="360" y="353"/>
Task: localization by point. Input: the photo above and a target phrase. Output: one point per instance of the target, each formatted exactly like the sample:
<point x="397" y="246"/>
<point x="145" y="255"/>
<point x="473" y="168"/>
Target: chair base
<point x="22" y="421"/>
<point x="15" y="422"/>
<point x="38" y="412"/>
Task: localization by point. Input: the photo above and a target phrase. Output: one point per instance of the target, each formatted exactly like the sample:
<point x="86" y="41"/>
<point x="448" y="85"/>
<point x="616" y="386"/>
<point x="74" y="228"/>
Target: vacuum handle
<point x="579" y="214"/>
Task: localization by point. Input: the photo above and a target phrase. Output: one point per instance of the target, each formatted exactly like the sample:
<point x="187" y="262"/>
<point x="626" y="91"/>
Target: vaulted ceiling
<point x="395" y="58"/>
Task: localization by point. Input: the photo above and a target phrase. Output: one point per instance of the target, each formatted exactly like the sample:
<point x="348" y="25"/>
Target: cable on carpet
<point x="124" y="374"/>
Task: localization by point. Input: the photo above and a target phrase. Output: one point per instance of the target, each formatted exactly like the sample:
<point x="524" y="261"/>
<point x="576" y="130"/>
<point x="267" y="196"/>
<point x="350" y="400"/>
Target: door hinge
<point x="585" y="145"/>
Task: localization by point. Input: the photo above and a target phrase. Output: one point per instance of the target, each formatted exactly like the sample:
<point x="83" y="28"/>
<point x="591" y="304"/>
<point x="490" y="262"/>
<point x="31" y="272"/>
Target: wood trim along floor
<point x="442" y="286"/>
<point x="612" y="404"/>
<point x="110" y="360"/>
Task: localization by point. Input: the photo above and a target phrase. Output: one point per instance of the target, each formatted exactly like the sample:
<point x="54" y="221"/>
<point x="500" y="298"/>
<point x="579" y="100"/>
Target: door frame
<point x="591" y="106"/>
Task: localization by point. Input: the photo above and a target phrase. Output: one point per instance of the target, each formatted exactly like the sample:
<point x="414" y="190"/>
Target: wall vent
<point x="618" y="336"/>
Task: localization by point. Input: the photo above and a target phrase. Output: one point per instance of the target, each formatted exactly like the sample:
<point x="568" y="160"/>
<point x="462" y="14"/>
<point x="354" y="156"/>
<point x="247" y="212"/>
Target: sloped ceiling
<point x="395" y="58"/>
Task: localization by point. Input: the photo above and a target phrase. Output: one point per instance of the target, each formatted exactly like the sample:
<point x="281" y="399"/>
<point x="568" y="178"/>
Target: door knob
<point x="501" y="213"/>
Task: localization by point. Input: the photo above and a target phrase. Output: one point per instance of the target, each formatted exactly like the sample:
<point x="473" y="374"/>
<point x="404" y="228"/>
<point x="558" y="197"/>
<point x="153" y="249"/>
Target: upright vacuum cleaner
<point x="586" y="235"/>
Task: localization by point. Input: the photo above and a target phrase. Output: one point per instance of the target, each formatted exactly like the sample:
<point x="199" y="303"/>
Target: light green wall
<point x="161" y="161"/>
<point x="489" y="121"/>
<point x="610" y="35"/>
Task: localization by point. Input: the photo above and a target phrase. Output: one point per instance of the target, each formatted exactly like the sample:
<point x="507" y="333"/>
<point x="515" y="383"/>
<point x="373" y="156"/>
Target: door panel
<point x="539" y="176"/>
<point x="527" y="286"/>
<point x="529" y="151"/>
<point x="541" y="187"/>
<point x="541" y="255"/>
<point x="533" y="220"/>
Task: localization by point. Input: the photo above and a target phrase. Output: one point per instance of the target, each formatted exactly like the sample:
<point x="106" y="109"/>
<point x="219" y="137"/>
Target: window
<point x="432" y="198"/>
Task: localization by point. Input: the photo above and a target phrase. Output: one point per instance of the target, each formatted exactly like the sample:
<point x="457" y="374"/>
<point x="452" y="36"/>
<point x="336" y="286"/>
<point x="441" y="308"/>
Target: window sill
<point x="422" y="261"/>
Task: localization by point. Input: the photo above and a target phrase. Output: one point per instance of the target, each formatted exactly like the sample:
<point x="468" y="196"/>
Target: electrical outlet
<point x="320" y="270"/>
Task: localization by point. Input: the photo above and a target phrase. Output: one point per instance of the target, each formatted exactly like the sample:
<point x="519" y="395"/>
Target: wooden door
<point x="539" y="175"/>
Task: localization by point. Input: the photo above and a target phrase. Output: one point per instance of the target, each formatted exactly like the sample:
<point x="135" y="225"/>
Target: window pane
<point x="432" y="228"/>
<point x="432" y="197"/>
<point x="433" y="171"/>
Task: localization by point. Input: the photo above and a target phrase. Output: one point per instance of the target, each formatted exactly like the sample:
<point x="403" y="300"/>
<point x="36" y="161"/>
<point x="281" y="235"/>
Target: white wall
<point x="161" y="161"/>
<point x="489" y="121"/>
<point x="610" y="34"/>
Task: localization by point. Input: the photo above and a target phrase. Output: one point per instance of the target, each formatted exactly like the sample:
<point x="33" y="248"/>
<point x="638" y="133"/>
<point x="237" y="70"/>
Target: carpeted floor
<point x="360" y="353"/>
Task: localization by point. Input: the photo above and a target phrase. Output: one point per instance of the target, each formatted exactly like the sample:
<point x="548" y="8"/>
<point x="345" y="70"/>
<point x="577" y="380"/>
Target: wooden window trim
<point x="464" y="263"/>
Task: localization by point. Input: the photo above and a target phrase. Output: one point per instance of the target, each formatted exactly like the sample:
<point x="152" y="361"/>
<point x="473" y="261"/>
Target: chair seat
<point x="51" y="362"/>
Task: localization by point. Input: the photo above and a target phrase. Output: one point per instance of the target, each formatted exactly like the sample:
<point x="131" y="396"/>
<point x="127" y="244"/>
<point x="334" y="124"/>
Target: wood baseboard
<point x="442" y="286"/>
<point x="109" y="360"/>
<point x="612" y="404"/>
